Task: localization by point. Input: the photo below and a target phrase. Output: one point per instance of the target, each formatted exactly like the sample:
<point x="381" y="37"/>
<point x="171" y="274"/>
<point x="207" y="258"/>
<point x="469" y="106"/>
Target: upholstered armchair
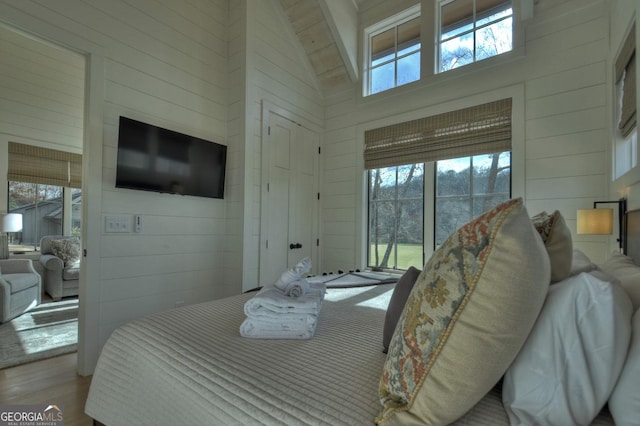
<point x="20" y="288"/>
<point x="60" y="259"/>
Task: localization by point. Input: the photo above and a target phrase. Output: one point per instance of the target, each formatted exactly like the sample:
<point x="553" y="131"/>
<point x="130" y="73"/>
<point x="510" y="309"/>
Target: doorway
<point x="44" y="98"/>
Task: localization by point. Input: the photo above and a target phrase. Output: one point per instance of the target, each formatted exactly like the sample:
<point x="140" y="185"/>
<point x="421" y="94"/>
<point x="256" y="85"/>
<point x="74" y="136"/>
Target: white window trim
<point x="522" y="11"/>
<point x="518" y="184"/>
<point x="377" y="28"/>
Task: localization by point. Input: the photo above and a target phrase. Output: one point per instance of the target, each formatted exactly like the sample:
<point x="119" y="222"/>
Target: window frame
<point x="379" y="27"/>
<point x="395" y="201"/>
<point x="438" y="4"/>
<point x="518" y="181"/>
<point x="471" y="196"/>
<point x="66" y="205"/>
<point x="429" y="212"/>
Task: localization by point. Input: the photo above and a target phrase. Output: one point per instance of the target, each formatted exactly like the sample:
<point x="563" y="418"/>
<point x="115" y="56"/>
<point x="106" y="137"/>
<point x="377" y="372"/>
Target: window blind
<point x="625" y="69"/>
<point x="480" y="129"/>
<point x="33" y="164"/>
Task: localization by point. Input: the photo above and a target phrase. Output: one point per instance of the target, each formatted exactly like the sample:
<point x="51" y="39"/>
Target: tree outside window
<point x="464" y="188"/>
<point x="396" y="217"/>
<point x="473" y="30"/>
<point x="467" y="187"/>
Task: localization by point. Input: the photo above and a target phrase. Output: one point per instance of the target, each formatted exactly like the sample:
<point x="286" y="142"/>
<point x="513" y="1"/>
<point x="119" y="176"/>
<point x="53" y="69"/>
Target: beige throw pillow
<point x="557" y="240"/>
<point x="465" y="320"/>
<point x="68" y="250"/>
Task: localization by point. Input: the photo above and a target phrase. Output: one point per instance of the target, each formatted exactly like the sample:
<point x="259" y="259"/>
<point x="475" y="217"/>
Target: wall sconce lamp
<point x="597" y="221"/>
<point x="9" y="222"/>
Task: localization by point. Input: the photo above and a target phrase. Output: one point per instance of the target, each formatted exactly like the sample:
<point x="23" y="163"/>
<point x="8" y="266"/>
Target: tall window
<point x="473" y="30"/>
<point x="392" y="52"/>
<point x="467" y="187"/>
<point x="396" y="216"/>
<point x="468" y="153"/>
<point x="626" y="137"/>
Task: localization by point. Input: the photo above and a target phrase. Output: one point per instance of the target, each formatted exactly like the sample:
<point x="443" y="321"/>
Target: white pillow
<point x="580" y="262"/>
<point x="624" y="403"/>
<point x="571" y="361"/>
<point x="622" y="267"/>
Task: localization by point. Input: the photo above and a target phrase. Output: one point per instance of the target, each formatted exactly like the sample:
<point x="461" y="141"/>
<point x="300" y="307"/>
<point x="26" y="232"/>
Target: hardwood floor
<point x="51" y="381"/>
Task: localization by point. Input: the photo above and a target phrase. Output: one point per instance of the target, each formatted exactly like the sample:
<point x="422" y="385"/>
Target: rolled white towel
<point x="297" y="288"/>
<point x="271" y="299"/>
<point x="303" y="266"/>
<point x="293" y="274"/>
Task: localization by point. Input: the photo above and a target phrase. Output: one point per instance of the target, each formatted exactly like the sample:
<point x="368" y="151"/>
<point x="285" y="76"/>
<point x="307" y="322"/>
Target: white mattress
<point x="190" y="366"/>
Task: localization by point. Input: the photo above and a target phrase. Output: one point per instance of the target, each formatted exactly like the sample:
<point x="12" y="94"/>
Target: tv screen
<point x="151" y="158"/>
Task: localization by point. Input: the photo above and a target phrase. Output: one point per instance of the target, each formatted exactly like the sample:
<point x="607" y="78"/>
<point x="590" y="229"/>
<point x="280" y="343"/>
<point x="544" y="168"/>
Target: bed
<point x="190" y="366"/>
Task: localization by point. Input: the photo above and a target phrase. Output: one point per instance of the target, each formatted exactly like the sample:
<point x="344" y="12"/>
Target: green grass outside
<point x="408" y="255"/>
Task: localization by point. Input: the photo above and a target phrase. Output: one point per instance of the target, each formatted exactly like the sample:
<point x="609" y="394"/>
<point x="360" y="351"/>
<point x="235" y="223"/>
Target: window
<point x="396" y="217"/>
<point x="467" y="151"/>
<point x="464" y="188"/>
<point x="626" y="138"/>
<point x="41" y="209"/>
<point x="44" y="186"/>
<point x="473" y="30"/>
<point x="392" y="52"/>
<point x="467" y="187"/>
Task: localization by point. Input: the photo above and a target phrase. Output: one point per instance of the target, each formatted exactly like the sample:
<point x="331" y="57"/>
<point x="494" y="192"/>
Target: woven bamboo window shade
<point x="33" y="164"/>
<point x="480" y="129"/>
<point x="625" y="69"/>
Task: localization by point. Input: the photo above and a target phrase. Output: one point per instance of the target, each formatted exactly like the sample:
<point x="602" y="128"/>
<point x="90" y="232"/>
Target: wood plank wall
<point x="564" y="74"/>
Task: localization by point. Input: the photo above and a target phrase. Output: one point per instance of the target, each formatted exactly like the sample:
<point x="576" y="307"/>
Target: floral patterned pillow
<point x="67" y="249"/>
<point x="468" y="315"/>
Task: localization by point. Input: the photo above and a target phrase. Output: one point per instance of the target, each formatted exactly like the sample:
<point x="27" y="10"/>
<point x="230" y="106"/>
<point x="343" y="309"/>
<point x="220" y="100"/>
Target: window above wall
<point x="472" y="30"/>
<point x="411" y="46"/>
<point x="392" y="52"/>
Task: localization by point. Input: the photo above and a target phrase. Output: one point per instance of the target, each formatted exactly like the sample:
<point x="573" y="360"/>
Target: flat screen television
<point x="151" y="158"/>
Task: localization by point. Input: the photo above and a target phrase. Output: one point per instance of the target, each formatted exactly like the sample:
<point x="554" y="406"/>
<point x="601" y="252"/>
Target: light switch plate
<point x="117" y="224"/>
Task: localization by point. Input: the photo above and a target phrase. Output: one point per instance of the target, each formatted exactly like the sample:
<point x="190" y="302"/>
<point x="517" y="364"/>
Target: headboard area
<point x="633" y="235"/>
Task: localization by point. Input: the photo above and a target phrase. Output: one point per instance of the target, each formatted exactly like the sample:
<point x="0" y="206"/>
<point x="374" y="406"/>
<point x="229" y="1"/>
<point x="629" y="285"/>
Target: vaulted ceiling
<point x="327" y="31"/>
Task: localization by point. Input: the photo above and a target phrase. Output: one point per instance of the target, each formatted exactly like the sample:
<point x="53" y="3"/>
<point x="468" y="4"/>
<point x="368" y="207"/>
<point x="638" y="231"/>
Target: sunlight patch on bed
<point x="368" y="296"/>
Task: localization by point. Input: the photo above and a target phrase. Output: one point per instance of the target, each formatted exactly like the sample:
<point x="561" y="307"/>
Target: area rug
<point x="48" y="330"/>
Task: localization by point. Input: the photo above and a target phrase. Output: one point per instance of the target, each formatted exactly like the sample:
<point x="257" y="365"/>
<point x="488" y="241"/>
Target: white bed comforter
<point x="189" y="366"/>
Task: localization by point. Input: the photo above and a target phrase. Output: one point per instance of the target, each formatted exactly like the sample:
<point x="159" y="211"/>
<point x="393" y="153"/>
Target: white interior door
<point x="289" y="220"/>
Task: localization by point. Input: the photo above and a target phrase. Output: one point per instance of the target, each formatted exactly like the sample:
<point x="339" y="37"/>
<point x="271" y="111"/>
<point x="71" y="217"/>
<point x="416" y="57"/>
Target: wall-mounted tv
<point x="151" y="158"/>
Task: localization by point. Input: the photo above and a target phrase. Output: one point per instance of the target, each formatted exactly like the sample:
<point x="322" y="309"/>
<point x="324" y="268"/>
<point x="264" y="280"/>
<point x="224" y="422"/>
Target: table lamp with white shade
<point x="9" y="222"/>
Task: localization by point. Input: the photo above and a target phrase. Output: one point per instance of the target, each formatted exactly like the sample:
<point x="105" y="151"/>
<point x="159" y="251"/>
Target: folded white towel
<point x="269" y="317"/>
<point x="262" y="330"/>
<point x="271" y="299"/>
<point x="297" y="288"/>
<point x="293" y="274"/>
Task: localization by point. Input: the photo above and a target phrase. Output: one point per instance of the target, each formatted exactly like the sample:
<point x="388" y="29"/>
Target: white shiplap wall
<point x="562" y="120"/>
<point x="163" y="62"/>
<point x="41" y="97"/>
<point x="278" y="73"/>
